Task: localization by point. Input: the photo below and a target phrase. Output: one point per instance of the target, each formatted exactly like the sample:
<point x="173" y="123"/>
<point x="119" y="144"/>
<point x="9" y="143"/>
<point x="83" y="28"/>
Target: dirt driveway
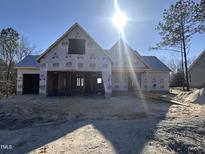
<point x="33" y="107"/>
<point x="122" y="124"/>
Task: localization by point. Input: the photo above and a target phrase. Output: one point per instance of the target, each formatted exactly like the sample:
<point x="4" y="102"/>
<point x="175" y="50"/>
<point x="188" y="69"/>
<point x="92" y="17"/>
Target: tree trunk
<point x="185" y="61"/>
<point x="182" y="60"/>
<point x="7" y="79"/>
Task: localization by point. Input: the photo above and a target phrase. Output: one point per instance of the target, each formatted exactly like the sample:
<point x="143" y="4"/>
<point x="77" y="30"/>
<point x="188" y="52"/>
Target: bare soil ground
<point x="121" y="124"/>
<point x="193" y="96"/>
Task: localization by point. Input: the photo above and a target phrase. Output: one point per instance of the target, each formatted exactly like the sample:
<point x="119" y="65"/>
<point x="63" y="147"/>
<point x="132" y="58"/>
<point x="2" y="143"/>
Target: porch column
<point x="43" y="83"/>
<point x="19" y="87"/>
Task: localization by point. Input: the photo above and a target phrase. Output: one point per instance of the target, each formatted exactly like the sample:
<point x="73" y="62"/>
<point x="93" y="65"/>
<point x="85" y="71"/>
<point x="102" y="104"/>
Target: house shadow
<point x="126" y="136"/>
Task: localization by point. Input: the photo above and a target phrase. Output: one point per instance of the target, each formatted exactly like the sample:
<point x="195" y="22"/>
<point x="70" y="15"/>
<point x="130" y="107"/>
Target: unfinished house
<point x="197" y="73"/>
<point x="76" y="64"/>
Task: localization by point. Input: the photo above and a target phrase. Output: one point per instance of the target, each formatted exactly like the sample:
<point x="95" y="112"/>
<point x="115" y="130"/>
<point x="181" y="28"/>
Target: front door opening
<point x="77" y="83"/>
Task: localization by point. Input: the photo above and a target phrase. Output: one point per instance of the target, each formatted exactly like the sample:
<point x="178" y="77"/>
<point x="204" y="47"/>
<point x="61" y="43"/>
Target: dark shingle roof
<point x="29" y="61"/>
<point x="155" y="63"/>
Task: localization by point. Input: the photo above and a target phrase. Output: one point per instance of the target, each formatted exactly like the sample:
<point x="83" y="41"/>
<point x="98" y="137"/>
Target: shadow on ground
<point x="119" y="136"/>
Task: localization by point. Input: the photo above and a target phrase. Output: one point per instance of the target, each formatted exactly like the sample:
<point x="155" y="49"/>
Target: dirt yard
<point x="121" y="124"/>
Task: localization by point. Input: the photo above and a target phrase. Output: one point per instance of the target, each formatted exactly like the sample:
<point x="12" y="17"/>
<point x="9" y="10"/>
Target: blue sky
<point x="43" y="21"/>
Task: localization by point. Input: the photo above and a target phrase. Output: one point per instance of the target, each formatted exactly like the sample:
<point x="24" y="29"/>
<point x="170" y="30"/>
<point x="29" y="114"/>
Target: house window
<point x="76" y="46"/>
<point x="99" y="80"/>
<point x="80" y="82"/>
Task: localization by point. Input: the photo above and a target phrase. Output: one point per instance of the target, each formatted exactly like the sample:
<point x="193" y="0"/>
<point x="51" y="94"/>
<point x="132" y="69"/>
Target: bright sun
<point x="119" y="19"/>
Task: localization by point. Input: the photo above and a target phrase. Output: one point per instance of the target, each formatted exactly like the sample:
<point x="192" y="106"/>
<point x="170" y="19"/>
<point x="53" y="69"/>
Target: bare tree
<point x="12" y="49"/>
<point x="23" y="49"/>
<point x="173" y="62"/>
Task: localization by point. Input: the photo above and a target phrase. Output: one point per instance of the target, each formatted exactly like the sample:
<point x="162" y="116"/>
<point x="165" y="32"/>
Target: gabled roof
<point x="197" y="59"/>
<point x="155" y="63"/>
<point x="66" y="33"/>
<point x="122" y="42"/>
<point x="29" y="61"/>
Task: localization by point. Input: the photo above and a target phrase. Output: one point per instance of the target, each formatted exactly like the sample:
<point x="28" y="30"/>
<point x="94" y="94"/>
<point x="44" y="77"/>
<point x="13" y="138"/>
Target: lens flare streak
<point x="131" y="69"/>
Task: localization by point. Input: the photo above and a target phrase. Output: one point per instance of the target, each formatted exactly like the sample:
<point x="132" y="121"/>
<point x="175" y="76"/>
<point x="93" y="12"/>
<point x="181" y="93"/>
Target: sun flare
<point x="119" y="19"/>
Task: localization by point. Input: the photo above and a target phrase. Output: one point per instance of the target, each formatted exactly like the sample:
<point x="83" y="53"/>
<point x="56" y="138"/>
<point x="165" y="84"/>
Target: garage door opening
<point x="75" y="83"/>
<point x="30" y="83"/>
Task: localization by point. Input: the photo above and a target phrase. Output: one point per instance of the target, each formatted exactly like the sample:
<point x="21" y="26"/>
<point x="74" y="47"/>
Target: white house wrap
<point x="76" y="64"/>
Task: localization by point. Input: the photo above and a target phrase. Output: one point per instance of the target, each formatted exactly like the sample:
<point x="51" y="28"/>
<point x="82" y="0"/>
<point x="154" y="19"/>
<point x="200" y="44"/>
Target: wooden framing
<point x="71" y="83"/>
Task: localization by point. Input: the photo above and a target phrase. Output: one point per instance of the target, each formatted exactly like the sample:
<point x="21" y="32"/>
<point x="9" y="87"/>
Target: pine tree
<point x="180" y="22"/>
